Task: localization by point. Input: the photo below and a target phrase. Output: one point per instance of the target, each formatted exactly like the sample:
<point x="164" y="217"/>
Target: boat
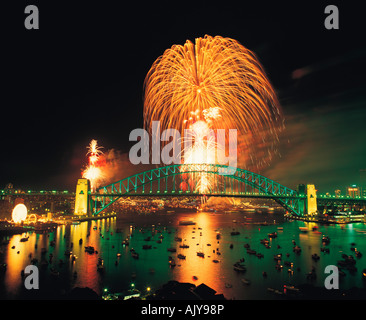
<point x="146" y="246"/>
<point x="245" y="281"/>
<point x="89" y="249"/>
<point x="239" y="267"/>
<point x="24" y="239"/>
<point x="325" y="239"/>
<point x="326" y="250"/>
<point x="364" y="274"/>
<point x="172" y="263"/>
<point x="250" y="251"/>
<point x="234" y="233"/>
<point x="172" y="249"/>
<point x="135" y="255"/>
<point x="178" y="239"/>
<point x="200" y="254"/>
<point x="291" y="288"/>
<point x="303" y="229"/>
<point x="54" y="272"/>
<point x="277" y="257"/>
<point x="315" y="257"/>
<point x="288" y="264"/>
<point x="296" y="249"/>
<point x="100" y="265"/>
<point x="311" y="275"/>
<point x="184" y="246"/>
<point x="215" y="261"/>
<point x="186" y="222"/>
<point x="181" y="256"/>
<point x="272" y="235"/>
<point x="228" y="285"/>
<point x="218" y="236"/>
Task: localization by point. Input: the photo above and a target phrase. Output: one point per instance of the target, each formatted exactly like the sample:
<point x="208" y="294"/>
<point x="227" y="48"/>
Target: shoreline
<point x="321" y="221"/>
<point x="99" y="217"/>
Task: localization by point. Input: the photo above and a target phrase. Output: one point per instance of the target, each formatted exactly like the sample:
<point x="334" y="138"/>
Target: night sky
<point x="80" y="76"/>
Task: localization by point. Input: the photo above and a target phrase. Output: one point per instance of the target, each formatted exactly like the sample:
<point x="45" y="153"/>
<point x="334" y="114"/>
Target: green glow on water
<point x="152" y="269"/>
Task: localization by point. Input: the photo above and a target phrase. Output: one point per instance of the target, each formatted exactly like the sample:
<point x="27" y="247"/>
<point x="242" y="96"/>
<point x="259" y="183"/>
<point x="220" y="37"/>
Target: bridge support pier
<point x="82" y="207"/>
<point x="311" y="204"/>
<point x="307" y="205"/>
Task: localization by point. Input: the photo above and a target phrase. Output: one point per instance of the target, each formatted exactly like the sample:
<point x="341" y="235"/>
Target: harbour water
<point x="60" y="273"/>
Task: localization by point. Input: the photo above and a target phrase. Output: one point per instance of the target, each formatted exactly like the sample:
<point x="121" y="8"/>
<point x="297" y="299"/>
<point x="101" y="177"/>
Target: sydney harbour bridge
<point x="223" y="181"/>
<point x="178" y="180"/>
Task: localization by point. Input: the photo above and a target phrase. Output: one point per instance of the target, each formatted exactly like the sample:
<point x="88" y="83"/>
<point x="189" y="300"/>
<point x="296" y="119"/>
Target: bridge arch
<point x="222" y="181"/>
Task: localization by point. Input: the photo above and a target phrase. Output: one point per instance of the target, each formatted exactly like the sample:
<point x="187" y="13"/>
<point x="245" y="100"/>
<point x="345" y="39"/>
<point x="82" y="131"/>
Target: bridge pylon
<point x="308" y="203"/>
<point x="311" y="204"/>
<point x="82" y="207"/>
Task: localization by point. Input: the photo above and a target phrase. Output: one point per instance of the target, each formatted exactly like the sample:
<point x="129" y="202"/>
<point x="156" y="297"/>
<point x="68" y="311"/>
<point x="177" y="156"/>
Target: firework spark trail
<point x="217" y="74"/>
<point x="201" y="149"/>
<point x="92" y="171"/>
<point x="218" y="81"/>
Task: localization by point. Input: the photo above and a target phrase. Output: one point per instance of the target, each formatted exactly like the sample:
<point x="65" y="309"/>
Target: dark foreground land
<point x="174" y="290"/>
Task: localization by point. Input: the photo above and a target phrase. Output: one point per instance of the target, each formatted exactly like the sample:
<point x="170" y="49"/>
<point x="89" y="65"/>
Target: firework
<point x="93" y="171"/>
<point x="201" y="149"/>
<point x="214" y="83"/>
<point x="217" y="80"/>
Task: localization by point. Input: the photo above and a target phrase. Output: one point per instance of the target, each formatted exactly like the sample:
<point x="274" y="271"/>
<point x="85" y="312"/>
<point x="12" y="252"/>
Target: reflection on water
<point x="60" y="271"/>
